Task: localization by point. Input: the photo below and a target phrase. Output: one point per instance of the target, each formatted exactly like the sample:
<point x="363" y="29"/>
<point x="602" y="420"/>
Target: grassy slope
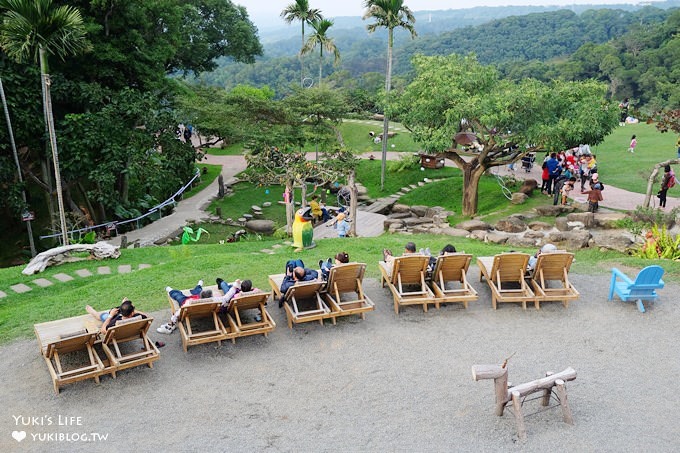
<point x="212" y="172"/>
<point x="182" y="266"/>
<point x="356" y="137"/>
<point x="629" y="171"/>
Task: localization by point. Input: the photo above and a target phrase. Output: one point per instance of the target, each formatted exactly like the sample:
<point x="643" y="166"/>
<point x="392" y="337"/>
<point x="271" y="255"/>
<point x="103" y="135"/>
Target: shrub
<point x="659" y="243"/>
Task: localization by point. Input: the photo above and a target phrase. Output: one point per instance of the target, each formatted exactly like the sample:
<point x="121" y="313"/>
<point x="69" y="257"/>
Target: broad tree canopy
<point x="505" y="119"/>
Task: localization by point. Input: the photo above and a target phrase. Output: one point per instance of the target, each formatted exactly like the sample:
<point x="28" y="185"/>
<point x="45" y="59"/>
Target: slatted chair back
<point x="451" y="267"/>
<point x="248" y="301"/>
<point x="409" y="270"/>
<point x="509" y="267"/>
<point x="647" y="280"/>
<point x="71" y="343"/>
<point x="199" y="308"/>
<point x="127" y="331"/>
<point x="553" y="266"/>
<point x="345" y="278"/>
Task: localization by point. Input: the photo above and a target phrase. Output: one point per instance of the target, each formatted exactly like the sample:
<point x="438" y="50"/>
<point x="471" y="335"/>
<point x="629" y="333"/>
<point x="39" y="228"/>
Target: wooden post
<point x="545" y="401"/>
<point x="562" y="395"/>
<point x="500" y="381"/>
<point x="123" y="242"/>
<point x="220" y="186"/>
<point x="517" y="407"/>
<point x="218" y="211"/>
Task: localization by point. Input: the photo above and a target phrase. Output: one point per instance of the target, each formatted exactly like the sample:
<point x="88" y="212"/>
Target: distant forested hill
<point x="534" y="40"/>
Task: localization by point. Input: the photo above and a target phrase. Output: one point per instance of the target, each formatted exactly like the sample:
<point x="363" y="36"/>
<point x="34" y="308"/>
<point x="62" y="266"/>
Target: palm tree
<point x="321" y="39"/>
<point x="300" y="10"/>
<point x="388" y="14"/>
<point x="35" y="29"/>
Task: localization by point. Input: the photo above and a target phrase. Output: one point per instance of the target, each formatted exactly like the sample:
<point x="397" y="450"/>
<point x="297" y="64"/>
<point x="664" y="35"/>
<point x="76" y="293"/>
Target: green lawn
<point x="368" y="173"/>
<point x="211" y="172"/>
<point x="229" y="150"/>
<point x="356" y="137"/>
<point x="624" y="170"/>
<point x="182" y="266"/>
<point x="246" y="195"/>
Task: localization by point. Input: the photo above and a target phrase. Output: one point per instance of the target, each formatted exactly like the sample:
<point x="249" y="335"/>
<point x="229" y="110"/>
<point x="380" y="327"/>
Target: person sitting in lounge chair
<point x="195" y="294"/>
<point x="243" y="288"/>
<point x="409" y="249"/>
<point x="325" y="266"/>
<point x="298" y="274"/>
<point x="547" y="248"/>
<point x="125" y="311"/>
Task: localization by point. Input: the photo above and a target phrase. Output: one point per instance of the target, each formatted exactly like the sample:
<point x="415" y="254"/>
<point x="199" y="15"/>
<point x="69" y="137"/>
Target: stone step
<point x="20" y="288"/>
<point x="63" y="277"/>
<point x="83" y="273"/>
<point x="42" y="282"/>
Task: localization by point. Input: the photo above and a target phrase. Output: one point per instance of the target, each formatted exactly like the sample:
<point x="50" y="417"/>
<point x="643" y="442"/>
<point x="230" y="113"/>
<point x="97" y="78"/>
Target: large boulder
<point x="534" y="234"/>
<point x="519" y="198"/>
<point x="563" y="224"/>
<point x="472" y="225"/>
<point x="511" y="225"/>
<point x="387" y="223"/>
<point x="480" y="235"/>
<point x="571" y="240"/>
<point x="553" y="210"/>
<point x="521" y="241"/>
<point x="412" y="221"/>
<point x="619" y="240"/>
<point x="540" y="226"/>
<point x="433" y="211"/>
<point x="496" y="238"/>
<point x="528" y="186"/>
<point x="586" y="218"/>
<point x="399" y="215"/>
<point x="608" y="220"/>
<point x="457" y="232"/>
<point x="419" y="211"/>
<point x="399" y="207"/>
<point x="262" y="226"/>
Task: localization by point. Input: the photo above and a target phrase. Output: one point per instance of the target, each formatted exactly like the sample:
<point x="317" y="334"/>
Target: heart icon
<point x="19" y="435"/>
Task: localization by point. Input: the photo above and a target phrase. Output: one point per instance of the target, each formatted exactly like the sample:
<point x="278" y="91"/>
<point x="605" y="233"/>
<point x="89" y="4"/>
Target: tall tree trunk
<point x="302" y="65"/>
<point x="351" y="182"/>
<point x="303" y="195"/>
<point x="289" y="207"/>
<point x="472" y="173"/>
<point x="88" y="203"/>
<point x="386" y="121"/>
<point x="49" y="188"/>
<point x="16" y="161"/>
<point x="53" y="143"/>
<point x="320" y="63"/>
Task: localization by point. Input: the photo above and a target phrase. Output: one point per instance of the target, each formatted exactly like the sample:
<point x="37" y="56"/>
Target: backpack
<point x="671" y="181"/>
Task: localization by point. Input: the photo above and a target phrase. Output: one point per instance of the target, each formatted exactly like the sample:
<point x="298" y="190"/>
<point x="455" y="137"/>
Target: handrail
<point x="115" y="224"/>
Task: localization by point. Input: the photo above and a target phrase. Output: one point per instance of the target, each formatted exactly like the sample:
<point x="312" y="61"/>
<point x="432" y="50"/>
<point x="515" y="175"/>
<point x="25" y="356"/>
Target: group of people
<point x="561" y="171"/>
<point x="297" y="272"/>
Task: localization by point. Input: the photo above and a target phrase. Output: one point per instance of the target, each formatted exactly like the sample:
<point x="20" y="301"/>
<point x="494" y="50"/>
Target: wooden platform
<point x="369" y="224"/>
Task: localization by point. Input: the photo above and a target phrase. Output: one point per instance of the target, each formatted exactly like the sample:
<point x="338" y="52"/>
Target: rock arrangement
<point x="575" y="230"/>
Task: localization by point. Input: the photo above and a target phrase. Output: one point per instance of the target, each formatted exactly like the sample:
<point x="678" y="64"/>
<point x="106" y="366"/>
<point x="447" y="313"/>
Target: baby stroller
<point x="528" y="162"/>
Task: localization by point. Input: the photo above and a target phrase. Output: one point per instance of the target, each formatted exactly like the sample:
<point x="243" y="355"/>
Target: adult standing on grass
<point x="633" y="144"/>
<point x="677" y="144"/>
<point x="554" y="171"/>
<point x="667" y="182"/>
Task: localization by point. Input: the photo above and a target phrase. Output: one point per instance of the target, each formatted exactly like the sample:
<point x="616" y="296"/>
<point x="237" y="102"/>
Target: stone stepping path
<point x="42" y="282"/>
<point x="21" y="288"/>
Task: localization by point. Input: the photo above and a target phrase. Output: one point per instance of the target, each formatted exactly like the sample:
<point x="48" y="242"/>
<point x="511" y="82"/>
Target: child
<point x="594" y="197"/>
<point x="566" y="189"/>
<point x="545" y="176"/>
<point x="325" y="266"/>
<point x="633" y="144"/>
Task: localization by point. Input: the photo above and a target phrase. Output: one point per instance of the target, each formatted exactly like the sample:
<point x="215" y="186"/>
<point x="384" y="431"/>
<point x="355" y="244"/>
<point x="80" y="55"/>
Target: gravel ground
<point x="388" y="383"/>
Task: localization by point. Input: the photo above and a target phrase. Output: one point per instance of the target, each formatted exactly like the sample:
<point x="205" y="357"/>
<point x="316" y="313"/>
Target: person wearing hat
<point x="341" y="225"/>
<point x="594" y="194"/>
<point x="547" y="248"/>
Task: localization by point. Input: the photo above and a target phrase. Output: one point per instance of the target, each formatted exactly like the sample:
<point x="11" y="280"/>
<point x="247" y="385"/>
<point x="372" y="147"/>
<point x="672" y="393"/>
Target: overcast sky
<point x="266" y="10"/>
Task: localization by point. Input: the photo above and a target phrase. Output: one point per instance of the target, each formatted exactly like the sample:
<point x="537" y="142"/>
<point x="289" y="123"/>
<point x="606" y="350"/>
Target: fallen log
<point x="59" y="255"/>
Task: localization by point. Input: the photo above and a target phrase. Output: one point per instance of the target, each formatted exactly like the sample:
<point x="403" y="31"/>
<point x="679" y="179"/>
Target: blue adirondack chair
<point x="642" y="289"/>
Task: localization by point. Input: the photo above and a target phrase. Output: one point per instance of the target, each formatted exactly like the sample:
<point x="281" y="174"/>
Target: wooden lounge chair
<point x="303" y="303"/>
<point x="345" y="280"/>
<point x="449" y="282"/>
<point x="72" y="343"/>
<point x="200" y="309"/>
<point x="254" y="301"/>
<point x="125" y="332"/>
<point x="406" y="281"/>
<point x="644" y="287"/>
<point x="505" y="275"/>
<point x="553" y="267"/>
